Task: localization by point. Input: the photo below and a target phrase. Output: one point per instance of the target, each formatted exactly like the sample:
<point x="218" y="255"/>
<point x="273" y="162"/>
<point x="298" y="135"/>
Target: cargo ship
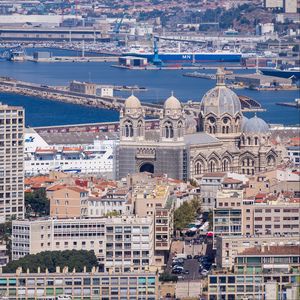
<point x="189" y="57"/>
<point x="286" y="73"/>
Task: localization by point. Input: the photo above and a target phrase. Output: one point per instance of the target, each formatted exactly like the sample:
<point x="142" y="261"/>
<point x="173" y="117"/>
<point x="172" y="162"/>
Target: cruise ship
<point x="95" y="156"/>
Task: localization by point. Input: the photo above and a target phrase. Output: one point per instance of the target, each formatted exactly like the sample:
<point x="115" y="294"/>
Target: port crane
<point x="156" y="60"/>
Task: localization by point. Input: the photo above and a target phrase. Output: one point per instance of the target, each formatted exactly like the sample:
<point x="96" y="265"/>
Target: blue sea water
<point x="159" y="83"/>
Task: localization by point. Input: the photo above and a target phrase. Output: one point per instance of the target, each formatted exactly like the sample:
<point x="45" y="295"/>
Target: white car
<point x="204" y="272"/>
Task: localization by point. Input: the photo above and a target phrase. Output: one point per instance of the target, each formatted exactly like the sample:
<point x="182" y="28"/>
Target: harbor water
<point x="159" y="84"/>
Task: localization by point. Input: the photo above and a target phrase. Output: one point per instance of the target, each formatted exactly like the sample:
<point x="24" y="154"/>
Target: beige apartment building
<point x="121" y="244"/>
<point x="276" y="217"/>
<point x="228" y="247"/>
<point x="93" y="285"/>
<point x="155" y="200"/>
<point x="234" y="215"/>
<point x="67" y="201"/>
<point x="11" y="162"/>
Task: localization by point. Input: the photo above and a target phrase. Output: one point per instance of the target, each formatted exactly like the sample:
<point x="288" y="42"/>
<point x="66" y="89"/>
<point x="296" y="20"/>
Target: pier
<point x="62" y="94"/>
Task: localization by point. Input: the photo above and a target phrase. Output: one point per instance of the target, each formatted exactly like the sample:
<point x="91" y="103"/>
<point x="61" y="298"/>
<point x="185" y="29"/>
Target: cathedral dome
<point x="220" y="99"/>
<point x="256" y="125"/>
<point x="132" y="102"/>
<point x="172" y="103"/>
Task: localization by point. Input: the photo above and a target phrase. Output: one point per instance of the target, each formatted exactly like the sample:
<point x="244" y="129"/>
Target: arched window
<point x="226" y="165"/>
<point x="199" y="168"/>
<point x="140" y="128"/>
<point x="180" y="129"/>
<point x="248" y="165"/>
<point x="167" y="132"/>
<point x="243" y="140"/>
<point x="271" y="161"/>
<point x="171" y="132"/>
<point x="249" y="141"/>
<point x="212" y="166"/>
<point x="128" y="129"/>
<point x="256" y="141"/>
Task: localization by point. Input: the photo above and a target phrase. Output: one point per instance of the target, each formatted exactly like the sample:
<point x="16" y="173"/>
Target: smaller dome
<point x="132" y="102"/>
<point x="255" y="125"/>
<point x="172" y="103"/>
<point x="244" y="121"/>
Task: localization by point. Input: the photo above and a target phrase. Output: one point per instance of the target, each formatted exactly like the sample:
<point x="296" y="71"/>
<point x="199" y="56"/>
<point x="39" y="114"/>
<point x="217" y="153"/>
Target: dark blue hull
<point x="281" y="73"/>
<point x="190" y="57"/>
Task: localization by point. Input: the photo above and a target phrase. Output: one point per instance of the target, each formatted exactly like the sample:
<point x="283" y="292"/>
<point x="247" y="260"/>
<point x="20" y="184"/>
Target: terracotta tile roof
<point x="56" y="187"/>
<point x="231" y="180"/>
<point x="76" y="189"/>
<point x="272" y="250"/>
<point x="260" y="196"/>
<point x="37" y="180"/>
<point x="214" y="174"/>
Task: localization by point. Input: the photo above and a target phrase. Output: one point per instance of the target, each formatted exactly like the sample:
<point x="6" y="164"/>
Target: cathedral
<point x="220" y="139"/>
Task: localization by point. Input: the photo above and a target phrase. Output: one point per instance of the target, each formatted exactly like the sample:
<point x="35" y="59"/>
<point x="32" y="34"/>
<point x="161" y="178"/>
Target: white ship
<point x="41" y="157"/>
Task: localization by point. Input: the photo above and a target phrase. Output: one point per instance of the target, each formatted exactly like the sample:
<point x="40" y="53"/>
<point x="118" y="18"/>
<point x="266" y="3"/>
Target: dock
<point x="289" y="104"/>
<point x="62" y="94"/>
<point x="76" y="59"/>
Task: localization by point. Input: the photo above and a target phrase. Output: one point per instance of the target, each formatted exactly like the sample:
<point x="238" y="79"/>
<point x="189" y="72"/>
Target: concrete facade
<point x="12" y="119"/>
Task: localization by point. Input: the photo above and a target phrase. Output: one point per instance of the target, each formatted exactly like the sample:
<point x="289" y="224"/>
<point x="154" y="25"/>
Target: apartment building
<point x="273" y="286"/>
<point x="263" y="215"/>
<point x="154" y="199"/>
<point x="269" y="259"/>
<point x="115" y="200"/>
<point x="266" y="272"/>
<point x="227" y="216"/>
<point x="68" y="201"/>
<point x="209" y="185"/>
<point x="11" y="162"/>
<point x="228" y="247"/>
<point x="273" y="217"/>
<point x="121" y="244"/>
<point x="79" y="286"/>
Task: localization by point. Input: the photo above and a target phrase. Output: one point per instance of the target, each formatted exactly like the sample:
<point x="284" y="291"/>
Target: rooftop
<point x="272" y="250"/>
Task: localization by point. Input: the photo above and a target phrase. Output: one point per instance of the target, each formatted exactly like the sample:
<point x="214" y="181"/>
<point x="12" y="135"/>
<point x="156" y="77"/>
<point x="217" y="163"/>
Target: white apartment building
<point x="115" y="201"/>
<point x="11" y="162"/>
<point x="121" y="244"/>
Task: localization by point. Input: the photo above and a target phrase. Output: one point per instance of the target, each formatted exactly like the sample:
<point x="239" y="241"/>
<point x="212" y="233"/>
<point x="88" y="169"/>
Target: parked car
<point x="186" y="272"/>
<point x="189" y="257"/>
<point x="196" y="256"/>
<point x="204" y="272"/>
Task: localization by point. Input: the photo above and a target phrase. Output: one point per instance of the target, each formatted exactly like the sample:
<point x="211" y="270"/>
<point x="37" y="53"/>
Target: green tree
<point x="37" y="203"/>
<point x="165" y="277"/>
<point x="5" y="236"/>
<point x="186" y="213"/>
<point x="52" y="259"/>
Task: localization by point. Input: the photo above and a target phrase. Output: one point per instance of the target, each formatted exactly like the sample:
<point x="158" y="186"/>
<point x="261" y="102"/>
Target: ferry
<point x="16" y="54"/>
<point x="189" y="57"/>
<point x="285" y="73"/>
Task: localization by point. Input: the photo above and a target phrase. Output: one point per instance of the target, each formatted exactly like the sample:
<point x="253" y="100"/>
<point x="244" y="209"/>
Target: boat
<point x="16" y="54"/>
<point x="285" y="73"/>
<point x="188" y="57"/>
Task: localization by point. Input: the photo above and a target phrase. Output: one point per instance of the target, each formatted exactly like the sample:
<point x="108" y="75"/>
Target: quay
<point x="83" y="59"/>
<point x="10" y="85"/>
